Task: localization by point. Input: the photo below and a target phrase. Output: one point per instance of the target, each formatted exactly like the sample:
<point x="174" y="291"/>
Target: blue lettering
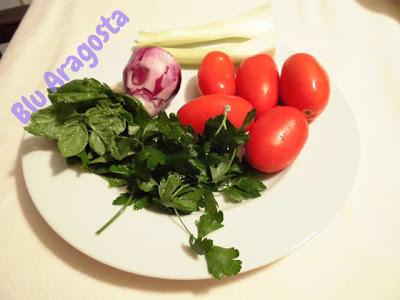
<point x="86" y="53"/>
<point x="41" y="96"/>
<point x="75" y="62"/>
<point x="95" y="42"/>
<point x="104" y="34"/>
<point x="22" y="114"/>
<point x="122" y="19"/>
<point x="61" y="71"/>
<point x="52" y="80"/>
<point x="28" y="104"/>
<point x="106" y="22"/>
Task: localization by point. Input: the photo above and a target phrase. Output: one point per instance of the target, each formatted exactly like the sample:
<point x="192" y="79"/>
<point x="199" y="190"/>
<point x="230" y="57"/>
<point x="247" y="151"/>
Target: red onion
<point x="153" y="76"/>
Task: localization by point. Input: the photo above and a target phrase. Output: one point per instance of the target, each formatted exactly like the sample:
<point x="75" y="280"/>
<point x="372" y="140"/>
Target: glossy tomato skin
<point x="216" y="74"/>
<point x="198" y="111"/>
<point x="276" y="139"/>
<point x="257" y="81"/>
<point x="304" y="84"/>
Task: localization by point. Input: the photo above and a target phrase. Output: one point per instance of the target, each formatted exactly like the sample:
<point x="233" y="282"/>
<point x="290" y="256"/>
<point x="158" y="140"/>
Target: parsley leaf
<point x="175" y="194"/>
<point x="152" y="156"/>
<point x="141" y="203"/>
<point x="221" y="262"/>
<point x="200" y="246"/>
<point x="188" y="201"/>
<point x="251" y="115"/>
<point x="218" y="173"/>
<point x="208" y="223"/>
<point x="168" y="186"/>
<point x="243" y="188"/>
<point x="123" y="199"/>
<point x="222" y="135"/>
<point x="147" y="186"/>
<point x="210" y="204"/>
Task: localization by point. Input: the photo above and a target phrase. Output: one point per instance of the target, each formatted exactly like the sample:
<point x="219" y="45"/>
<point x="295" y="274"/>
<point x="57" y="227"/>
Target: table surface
<point x="355" y="257"/>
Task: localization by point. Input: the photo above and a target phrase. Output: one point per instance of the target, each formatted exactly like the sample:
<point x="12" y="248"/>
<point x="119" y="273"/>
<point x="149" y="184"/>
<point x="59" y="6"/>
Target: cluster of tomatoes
<point x="284" y="104"/>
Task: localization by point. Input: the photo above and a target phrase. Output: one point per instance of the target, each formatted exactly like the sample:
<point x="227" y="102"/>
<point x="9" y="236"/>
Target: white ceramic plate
<point x="298" y="203"/>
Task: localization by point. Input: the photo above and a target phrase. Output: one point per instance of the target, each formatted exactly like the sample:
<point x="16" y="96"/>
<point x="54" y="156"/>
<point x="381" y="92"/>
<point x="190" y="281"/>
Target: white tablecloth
<point x="357" y="256"/>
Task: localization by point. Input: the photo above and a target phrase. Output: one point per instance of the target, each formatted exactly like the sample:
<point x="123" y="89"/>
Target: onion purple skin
<point x="153" y="76"/>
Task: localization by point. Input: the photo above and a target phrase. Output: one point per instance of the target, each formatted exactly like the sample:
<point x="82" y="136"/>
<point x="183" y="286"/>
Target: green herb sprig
<point x="159" y="161"/>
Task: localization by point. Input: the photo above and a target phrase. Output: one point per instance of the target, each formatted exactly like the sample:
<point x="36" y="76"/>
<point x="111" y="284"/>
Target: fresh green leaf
<point x="96" y="143"/>
<point x="210" y="204"/>
<point x="122" y="147"/>
<point x="104" y="120"/>
<point x="174" y="194"/>
<point x="189" y="201"/>
<point x="223" y="136"/>
<point x="81" y="85"/>
<point x="200" y="246"/>
<point x="168" y="186"/>
<point x="183" y="163"/>
<point x="243" y="188"/>
<point x="208" y="223"/>
<point x="141" y="203"/>
<point x="115" y="181"/>
<point x="134" y="106"/>
<point x="221" y="262"/>
<point x="214" y="125"/>
<point x="249" y="184"/>
<point x="133" y="129"/>
<point x="251" y="115"/>
<point x="236" y="195"/>
<point x="147" y="186"/>
<point x="67" y="112"/>
<point x="170" y="126"/>
<point x="73" y="138"/>
<point x="123" y="199"/>
<point x="76" y="97"/>
<point x="152" y="156"/>
<point x="44" y="123"/>
<point x="99" y="159"/>
<point x="219" y="172"/>
<point x="150" y="130"/>
<point x="84" y="158"/>
<point x="120" y="169"/>
<point x="78" y="91"/>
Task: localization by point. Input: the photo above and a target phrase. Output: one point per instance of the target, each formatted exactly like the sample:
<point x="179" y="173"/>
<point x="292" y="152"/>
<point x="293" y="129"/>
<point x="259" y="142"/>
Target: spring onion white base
<point x="247" y="25"/>
<point x="237" y="51"/>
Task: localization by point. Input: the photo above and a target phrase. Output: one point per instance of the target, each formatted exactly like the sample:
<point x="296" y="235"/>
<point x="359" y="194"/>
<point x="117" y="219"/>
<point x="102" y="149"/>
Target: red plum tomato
<point x="198" y="111"/>
<point x="304" y="84"/>
<point x="216" y="74"/>
<point x="276" y="139"/>
<point x="257" y="81"/>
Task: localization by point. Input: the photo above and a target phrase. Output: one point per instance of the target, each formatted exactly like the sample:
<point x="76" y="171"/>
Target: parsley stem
<point x="180" y="189"/>
<point x="231" y="160"/>
<point x="227" y="109"/>
<point x="183" y="224"/>
<point x="104" y="227"/>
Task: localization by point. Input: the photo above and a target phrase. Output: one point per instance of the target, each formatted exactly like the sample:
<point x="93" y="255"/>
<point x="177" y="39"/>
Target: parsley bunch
<point x="160" y="162"/>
